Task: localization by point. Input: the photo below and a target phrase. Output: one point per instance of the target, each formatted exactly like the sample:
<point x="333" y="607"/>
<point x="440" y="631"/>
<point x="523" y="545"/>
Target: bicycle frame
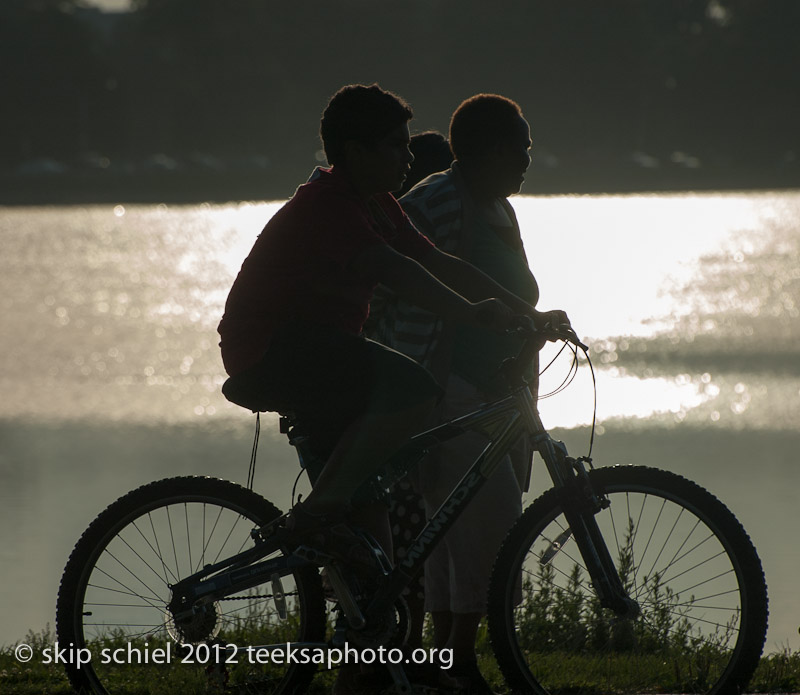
<point x="503" y="421"/>
<point x="547" y="595"/>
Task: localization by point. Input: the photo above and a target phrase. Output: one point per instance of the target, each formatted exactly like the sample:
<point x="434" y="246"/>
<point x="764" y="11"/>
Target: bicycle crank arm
<point x="347" y="601"/>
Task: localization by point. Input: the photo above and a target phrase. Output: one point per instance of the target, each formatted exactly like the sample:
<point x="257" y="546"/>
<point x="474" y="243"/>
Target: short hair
<point x="431" y="154"/>
<point x="482" y="122"/>
<point x="361" y="113"/>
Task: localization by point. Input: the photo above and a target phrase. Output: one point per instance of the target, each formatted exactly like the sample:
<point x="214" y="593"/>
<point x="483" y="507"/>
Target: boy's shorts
<point x="328" y="378"/>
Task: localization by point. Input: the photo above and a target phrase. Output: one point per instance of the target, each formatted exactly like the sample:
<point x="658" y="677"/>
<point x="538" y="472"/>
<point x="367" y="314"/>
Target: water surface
<point x="110" y="370"/>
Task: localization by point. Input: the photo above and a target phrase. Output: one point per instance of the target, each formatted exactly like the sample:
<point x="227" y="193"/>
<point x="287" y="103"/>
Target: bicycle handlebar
<point x="535" y="338"/>
<point x="526" y="327"/>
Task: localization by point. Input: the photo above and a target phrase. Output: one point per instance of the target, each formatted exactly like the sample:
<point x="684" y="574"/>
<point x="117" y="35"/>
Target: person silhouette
<point x="464" y="211"/>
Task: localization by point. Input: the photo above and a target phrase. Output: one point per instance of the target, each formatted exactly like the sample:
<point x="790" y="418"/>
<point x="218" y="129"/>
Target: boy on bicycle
<point x="290" y="335"/>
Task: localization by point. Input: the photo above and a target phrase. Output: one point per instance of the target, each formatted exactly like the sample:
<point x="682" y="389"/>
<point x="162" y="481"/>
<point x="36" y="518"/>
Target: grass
<point x="39" y="678"/>
<point x="574" y="643"/>
<point x="777" y="673"/>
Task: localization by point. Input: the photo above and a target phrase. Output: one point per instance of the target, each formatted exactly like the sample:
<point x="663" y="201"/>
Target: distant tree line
<point x="716" y="79"/>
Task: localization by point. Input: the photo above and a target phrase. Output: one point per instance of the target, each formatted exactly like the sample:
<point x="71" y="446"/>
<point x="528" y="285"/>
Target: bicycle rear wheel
<point x="680" y="553"/>
<point x="115" y="590"/>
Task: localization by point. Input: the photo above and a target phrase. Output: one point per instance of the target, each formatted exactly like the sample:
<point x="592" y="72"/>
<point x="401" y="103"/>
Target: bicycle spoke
<point x="695" y="567"/>
<point x="172" y="538"/>
<point x="156" y="551"/>
<point x="188" y="537"/>
<point x="144" y="562"/>
<point x="114" y="579"/>
<point x="119" y="591"/>
<point x="159" y="554"/>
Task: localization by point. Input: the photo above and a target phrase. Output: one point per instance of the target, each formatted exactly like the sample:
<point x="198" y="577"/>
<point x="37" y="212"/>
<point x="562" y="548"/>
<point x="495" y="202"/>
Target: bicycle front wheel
<point x="680" y="553"/>
<point x="113" y="601"/>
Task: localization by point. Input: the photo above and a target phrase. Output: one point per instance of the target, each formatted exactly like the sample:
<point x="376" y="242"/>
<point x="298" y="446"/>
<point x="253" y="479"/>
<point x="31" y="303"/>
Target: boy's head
<point x="431" y="154"/>
<point x="362" y="114"/>
<point x="482" y="122"/>
<point x="489" y="135"/>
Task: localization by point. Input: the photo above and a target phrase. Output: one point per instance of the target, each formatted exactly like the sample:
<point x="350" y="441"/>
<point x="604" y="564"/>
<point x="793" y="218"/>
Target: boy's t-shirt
<point x="299" y="267"/>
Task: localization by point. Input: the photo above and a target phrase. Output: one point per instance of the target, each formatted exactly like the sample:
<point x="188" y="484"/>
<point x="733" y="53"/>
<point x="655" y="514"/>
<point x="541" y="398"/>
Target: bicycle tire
<point x="680" y="553"/>
<point x="115" y="590"/>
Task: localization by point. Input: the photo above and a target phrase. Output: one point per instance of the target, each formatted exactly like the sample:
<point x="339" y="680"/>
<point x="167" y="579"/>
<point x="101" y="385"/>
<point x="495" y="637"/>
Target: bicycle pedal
<point x="313" y="555"/>
<point x="270" y="530"/>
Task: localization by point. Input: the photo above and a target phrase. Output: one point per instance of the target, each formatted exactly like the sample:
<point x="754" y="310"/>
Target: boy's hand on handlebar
<point x="551" y="325"/>
<point x="557" y="321"/>
<point x="492" y="314"/>
<point x="551" y="319"/>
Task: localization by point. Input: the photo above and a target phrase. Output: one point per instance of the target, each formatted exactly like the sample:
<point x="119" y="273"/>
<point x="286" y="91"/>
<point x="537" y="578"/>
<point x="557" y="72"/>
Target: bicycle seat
<point x="241" y="390"/>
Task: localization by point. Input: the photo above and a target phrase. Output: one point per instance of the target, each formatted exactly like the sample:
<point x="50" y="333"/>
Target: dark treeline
<point x="612" y="89"/>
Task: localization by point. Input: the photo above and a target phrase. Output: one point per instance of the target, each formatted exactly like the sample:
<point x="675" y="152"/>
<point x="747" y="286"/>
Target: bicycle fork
<point x="580" y="505"/>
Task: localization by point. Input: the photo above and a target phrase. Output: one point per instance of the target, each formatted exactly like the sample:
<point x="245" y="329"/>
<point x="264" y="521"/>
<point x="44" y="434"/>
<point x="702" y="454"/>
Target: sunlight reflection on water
<point x="111" y="311"/>
<point x="703" y="285"/>
<point x="630" y="265"/>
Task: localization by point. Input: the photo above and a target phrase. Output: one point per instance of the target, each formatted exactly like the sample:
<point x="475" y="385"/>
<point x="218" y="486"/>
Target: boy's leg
<point x="365" y="445"/>
<point x="369" y="400"/>
<point x="398" y="397"/>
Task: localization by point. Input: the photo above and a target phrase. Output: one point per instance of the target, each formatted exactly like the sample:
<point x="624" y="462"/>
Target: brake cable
<point x="568" y="379"/>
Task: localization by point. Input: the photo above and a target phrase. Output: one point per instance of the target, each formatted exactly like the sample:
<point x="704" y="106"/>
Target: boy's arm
<point x="475" y="285"/>
<point x="416" y="284"/>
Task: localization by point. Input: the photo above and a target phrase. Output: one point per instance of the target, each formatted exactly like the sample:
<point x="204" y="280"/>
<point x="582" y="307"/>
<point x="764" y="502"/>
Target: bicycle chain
<point x="250" y="597"/>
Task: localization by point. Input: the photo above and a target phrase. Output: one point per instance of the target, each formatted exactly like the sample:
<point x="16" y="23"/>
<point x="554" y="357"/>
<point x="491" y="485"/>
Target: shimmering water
<point x="110" y="371"/>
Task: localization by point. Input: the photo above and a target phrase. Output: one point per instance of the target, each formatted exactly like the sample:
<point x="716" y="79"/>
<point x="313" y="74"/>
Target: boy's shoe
<point x="470" y="680"/>
<point x="431" y="676"/>
<point x="332" y="536"/>
<point x="428" y="680"/>
<point x="352" y="681"/>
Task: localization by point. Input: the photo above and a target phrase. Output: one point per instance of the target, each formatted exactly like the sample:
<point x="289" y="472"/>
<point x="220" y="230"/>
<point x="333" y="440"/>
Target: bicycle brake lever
<point x="571" y="336"/>
<point x="576" y="340"/>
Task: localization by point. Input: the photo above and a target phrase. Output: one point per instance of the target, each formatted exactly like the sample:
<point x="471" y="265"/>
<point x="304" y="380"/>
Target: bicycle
<point x="625" y="579"/>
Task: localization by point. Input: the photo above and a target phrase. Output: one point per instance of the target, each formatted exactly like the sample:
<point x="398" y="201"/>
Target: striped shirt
<point x="436" y="206"/>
